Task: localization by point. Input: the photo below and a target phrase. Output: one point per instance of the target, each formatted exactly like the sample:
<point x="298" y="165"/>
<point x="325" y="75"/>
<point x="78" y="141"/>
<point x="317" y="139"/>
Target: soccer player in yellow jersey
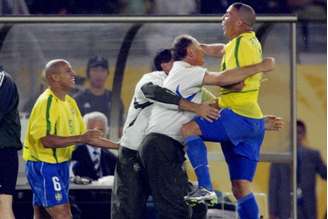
<point x="240" y="128"/>
<point x="54" y="127"/>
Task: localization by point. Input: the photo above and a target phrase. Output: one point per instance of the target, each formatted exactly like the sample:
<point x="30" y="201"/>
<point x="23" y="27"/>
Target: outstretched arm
<point x="103" y="143"/>
<point x="233" y="76"/>
<point x="215" y="49"/>
<point x="54" y="141"/>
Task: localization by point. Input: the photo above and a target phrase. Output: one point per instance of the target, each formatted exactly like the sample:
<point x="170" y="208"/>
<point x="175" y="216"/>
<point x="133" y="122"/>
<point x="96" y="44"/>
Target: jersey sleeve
<point x="197" y="76"/>
<point x="43" y="121"/>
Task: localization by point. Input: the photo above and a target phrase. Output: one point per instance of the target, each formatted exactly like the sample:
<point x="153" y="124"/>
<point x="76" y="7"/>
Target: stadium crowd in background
<point x="161" y="6"/>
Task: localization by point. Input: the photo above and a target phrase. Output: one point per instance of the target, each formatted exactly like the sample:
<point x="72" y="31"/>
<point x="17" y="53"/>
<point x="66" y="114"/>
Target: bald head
<point x="246" y="13"/>
<point x="53" y="67"/>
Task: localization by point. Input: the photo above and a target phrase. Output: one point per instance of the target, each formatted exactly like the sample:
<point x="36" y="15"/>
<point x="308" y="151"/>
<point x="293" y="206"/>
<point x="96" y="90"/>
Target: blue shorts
<point x="240" y="167"/>
<point x="240" y="137"/>
<point x="49" y="182"/>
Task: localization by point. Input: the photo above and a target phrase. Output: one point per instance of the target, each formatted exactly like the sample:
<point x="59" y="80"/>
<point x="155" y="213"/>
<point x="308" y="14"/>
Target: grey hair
<point x="96" y="116"/>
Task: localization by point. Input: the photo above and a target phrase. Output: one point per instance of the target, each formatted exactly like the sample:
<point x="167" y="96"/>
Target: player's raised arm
<point x="233" y="76"/>
<point x="103" y="143"/>
<point x="215" y="49"/>
<point x="53" y="141"/>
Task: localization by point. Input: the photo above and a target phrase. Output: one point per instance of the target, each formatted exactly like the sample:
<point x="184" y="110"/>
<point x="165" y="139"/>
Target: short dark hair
<point x="180" y="46"/>
<point x="97" y="61"/>
<point x="300" y="123"/>
<point x="162" y="56"/>
<point x="246" y="12"/>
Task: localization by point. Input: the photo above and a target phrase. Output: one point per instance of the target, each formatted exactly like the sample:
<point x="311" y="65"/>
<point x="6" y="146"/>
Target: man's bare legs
<point x="56" y="212"/>
<point x="6" y="210"/>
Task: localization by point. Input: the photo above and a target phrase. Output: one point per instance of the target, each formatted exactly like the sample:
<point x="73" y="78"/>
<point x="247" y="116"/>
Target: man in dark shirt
<point x="89" y="161"/>
<point x="309" y="164"/>
<point x="9" y="142"/>
<point x="96" y="97"/>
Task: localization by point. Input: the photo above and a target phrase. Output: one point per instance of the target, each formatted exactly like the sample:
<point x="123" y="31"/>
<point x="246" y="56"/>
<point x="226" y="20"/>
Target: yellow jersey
<point x="52" y="116"/>
<point x="242" y="51"/>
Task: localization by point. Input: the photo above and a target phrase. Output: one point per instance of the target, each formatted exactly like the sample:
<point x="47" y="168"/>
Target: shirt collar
<point x="92" y="149"/>
<point x="182" y="63"/>
<point x="249" y="34"/>
<point x="49" y="91"/>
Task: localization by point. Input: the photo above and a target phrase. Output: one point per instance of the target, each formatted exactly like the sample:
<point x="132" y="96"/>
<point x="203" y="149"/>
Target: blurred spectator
<point x="212" y="7"/>
<point x="309" y="164"/>
<point x="308" y="10"/>
<point x="96" y="7"/>
<point x="181" y="7"/>
<point x="267" y="7"/>
<point x="60" y="7"/>
<point x="134" y="7"/>
<point x="89" y="161"/>
<point x="13" y="7"/>
<point x="74" y="6"/>
<point x="97" y="97"/>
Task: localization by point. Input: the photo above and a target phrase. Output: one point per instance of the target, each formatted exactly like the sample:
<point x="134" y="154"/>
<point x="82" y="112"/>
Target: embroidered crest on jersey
<point x="58" y="196"/>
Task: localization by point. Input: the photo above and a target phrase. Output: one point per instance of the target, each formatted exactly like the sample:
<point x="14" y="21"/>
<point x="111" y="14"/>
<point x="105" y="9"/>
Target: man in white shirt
<point x="130" y="190"/>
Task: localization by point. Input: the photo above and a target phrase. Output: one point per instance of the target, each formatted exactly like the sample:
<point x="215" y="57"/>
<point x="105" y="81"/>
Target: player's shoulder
<point x="248" y="39"/>
<point x="71" y="100"/>
<point x="155" y="77"/>
<point x="45" y="101"/>
<point x="45" y="96"/>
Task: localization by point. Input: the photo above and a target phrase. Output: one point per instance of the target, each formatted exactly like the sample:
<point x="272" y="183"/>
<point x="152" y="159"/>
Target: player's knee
<point x="5" y="201"/>
<point x="240" y="188"/>
<point x="189" y="129"/>
<point x="61" y="212"/>
<point x="184" y="130"/>
<point x="63" y="215"/>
